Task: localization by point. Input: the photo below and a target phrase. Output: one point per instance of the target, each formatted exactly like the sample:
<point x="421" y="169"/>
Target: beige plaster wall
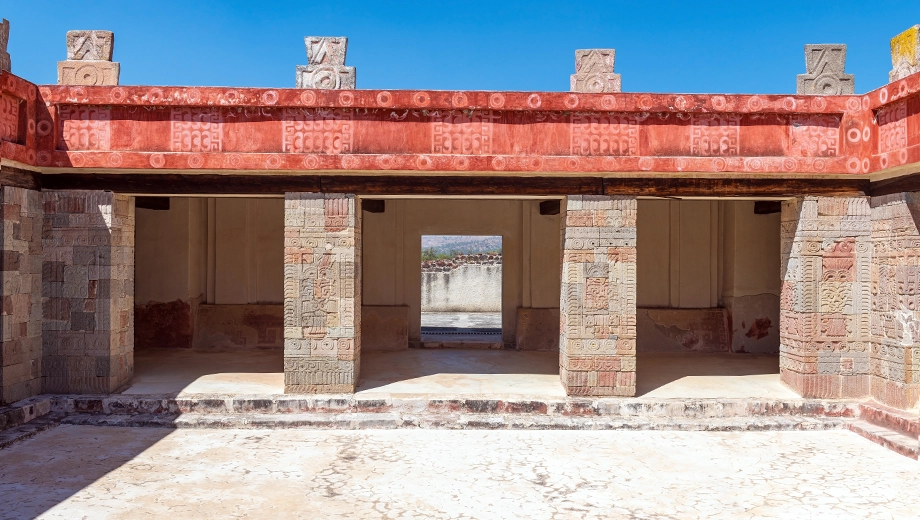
<point x="530" y="252"/>
<point x="170" y="251"/>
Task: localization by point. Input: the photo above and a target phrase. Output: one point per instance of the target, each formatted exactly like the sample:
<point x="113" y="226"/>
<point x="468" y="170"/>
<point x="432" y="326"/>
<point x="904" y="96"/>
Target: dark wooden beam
<point x="20" y="178"/>
<point x="192" y="184"/>
<point x="897" y="185"/>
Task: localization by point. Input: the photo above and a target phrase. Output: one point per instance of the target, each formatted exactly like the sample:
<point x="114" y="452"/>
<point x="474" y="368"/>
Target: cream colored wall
<point x="393" y="247"/>
<point x="752" y="245"/>
<point x="228" y="251"/>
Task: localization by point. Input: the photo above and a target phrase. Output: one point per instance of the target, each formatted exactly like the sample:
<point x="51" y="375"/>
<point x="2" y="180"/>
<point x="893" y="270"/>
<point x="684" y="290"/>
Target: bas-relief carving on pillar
<point x="594" y="71"/>
<point x="4" y="41"/>
<point x="322" y="293"/>
<point x="824" y="72"/>
<point x="905" y="54"/>
<point x="87" y="291"/>
<point x="89" y="59"/>
<point x="825" y="298"/>
<point x="325" y="67"/>
<point x="895" y="319"/>
<point x="597" y="339"/>
<point x="21" y="302"/>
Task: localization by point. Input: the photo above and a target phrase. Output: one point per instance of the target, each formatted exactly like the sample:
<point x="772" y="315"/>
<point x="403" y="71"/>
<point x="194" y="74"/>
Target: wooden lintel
<point x="179" y="184"/>
<point x="897" y="185"/>
<point x="20" y="178"/>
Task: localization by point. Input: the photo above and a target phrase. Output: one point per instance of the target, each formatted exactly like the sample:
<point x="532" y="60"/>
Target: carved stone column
<point x="825" y="334"/>
<point x="322" y="293"/>
<point x="89" y="59"/>
<point x="87" y="291"/>
<point x="597" y="343"/>
<point x="21" y="303"/>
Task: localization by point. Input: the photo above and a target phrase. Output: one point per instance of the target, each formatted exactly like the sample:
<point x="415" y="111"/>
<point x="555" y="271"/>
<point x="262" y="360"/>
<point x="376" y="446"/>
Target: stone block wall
<point x="895" y="319"/>
<point x="20" y="307"/>
<point x="87" y="291"/>
<point x="825" y="302"/>
<point x="322" y="293"/>
<point x="597" y="340"/>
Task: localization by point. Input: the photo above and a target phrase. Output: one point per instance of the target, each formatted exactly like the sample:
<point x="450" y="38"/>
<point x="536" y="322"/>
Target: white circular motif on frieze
<point x="819" y="165"/>
<point x="310" y="162"/>
<point x="157" y="160"/>
<point x="118" y="95"/>
<point x="819" y="103"/>
<point x="44" y="158"/>
<point x="384" y="98"/>
<point x="77" y="159"/>
<point x="853" y="165"/>
<point x="883" y="95"/>
<point x="853" y="135"/>
<point x="235" y="160"/>
<point x="645" y="164"/>
<point x="273" y="162"/>
<point x="496" y="100"/>
<point x="755" y="103"/>
<point x="534" y="101"/>
<point x="718" y="102"/>
<point x="498" y="163"/>
<point x="424" y="162"/>
<point x="789" y="164"/>
<point x="421" y="99"/>
<point x="459" y="100"/>
<point x="115" y="160"/>
<point x="853" y="104"/>
<point x="608" y="102"/>
<point x="461" y="163"/>
<point x="269" y="97"/>
<point x="346" y="99"/>
<point x="308" y="97"/>
<point x="195" y="160"/>
<point x="571" y="101"/>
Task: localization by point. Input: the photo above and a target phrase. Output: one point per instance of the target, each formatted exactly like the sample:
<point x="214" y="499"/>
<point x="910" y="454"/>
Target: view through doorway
<point x="461" y="291"/>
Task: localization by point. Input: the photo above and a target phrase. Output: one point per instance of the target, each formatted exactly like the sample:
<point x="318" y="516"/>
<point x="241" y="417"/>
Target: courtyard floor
<point x="100" y="472"/>
<point x="457" y="372"/>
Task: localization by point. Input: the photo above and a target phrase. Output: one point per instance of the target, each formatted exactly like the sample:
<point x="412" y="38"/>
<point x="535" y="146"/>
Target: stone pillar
<point x="824" y="76"/>
<point x="87" y="291"/>
<point x="825" y="297"/>
<point x="326" y="64"/>
<point x="20" y="307"/>
<point x="905" y="54"/>
<point x="895" y="358"/>
<point x="597" y="342"/>
<point x="322" y="293"/>
<point x="89" y="59"/>
<point x="4" y="40"/>
<point x="594" y="71"/>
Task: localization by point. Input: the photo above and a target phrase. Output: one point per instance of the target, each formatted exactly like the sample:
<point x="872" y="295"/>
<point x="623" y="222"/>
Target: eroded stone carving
<point x="824" y="76"/>
<point x="89" y="59"/>
<point x="594" y="71"/>
<point x="905" y="54"/>
<point x="4" y="40"/>
<point x="325" y="67"/>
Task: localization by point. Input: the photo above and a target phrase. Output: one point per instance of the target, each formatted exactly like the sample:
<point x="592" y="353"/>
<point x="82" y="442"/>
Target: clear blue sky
<point x="664" y="46"/>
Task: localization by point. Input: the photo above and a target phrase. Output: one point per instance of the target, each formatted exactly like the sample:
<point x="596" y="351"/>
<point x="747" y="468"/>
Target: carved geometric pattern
<point x="594" y="71"/>
<point x="326" y="64"/>
<point x="462" y="133"/>
<point x="9" y="118"/>
<point x="90" y="45"/>
<point x="85" y="127"/>
<point x="319" y="130"/>
<point x="714" y="135"/>
<point x="815" y="135"/>
<point x="905" y="54"/>
<point x="195" y="130"/>
<point x="322" y="293"/>
<point x="598" y="297"/>
<point x="892" y="127"/>
<point x="824" y="76"/>
<point x="604" y="134"/>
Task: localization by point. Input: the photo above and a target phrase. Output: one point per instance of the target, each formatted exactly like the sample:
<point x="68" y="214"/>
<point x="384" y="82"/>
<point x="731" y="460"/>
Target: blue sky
<point x="702" y="46"/>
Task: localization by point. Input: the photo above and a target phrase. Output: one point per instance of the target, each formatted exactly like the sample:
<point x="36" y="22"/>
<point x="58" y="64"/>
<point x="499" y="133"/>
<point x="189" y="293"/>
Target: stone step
<point x="24" y="411"/>
<point x="357" y="421"/>
<point x="891" y="439"/>
<point x="565" y="407"/>
<point x="893" y="419"/>
<point x="32" y="428"/>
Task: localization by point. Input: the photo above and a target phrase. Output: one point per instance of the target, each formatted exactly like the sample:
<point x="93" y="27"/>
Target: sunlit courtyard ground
<point x="98" y="472"/>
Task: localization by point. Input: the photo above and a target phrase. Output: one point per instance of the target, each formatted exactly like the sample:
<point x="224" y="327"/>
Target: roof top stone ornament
<point x="325" y="67"/>
<point x="905" y="54"/>
<point x="4" y="40"/>
<point x="594" y="71"/>
<point x="89" y="59"/>
<point x="824" y="72"/>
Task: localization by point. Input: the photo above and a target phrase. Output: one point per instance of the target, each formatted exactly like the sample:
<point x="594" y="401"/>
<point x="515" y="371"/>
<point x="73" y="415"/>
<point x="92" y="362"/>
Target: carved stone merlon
<point x="4" y="40"/>
<point x="824" y="76"/>
<point x="325" y="67"/>
<point x="594" y="71"/>
<point x="905" y="54"/>
<point x="89" y="59"/>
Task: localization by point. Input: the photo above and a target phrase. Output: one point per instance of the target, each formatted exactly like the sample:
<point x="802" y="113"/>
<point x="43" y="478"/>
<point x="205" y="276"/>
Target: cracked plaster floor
<point x="457" y="372"/>
<point x="98" y="472"/>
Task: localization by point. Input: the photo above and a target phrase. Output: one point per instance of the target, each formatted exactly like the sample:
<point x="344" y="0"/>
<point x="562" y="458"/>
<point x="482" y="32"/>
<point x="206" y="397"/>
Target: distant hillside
<point x="444" y="245"/>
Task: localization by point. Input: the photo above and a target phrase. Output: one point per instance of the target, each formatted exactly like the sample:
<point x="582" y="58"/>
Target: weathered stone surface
<point x="895" y="318"/>
<point x="384" y="328"/>
<point x="322" y="293"/>
<point x="89" y="59"/>
<point x="326" y="64"/>
<point x="825" y="297"/>
<point x="683" y="330"/>
<point x="824" y="72"/>
<point x="597" y="339"/>
<point x="905" y="54"/>
<point x="537" y="329"/>
<point x="87" y="291"/>
<point x="594" y="71"/>
<point x="4" y="41"/>
<point x="20" y="305"/>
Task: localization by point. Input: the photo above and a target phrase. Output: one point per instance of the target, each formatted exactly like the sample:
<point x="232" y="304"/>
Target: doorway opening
<point x="461" y="291"/>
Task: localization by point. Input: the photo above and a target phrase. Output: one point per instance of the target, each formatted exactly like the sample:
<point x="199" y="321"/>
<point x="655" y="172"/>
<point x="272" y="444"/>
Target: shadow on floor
<point x="702" y="375"/>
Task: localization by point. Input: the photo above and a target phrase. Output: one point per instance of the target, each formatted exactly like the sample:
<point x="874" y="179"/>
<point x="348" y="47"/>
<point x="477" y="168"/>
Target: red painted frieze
<point x="557" y="133"/>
